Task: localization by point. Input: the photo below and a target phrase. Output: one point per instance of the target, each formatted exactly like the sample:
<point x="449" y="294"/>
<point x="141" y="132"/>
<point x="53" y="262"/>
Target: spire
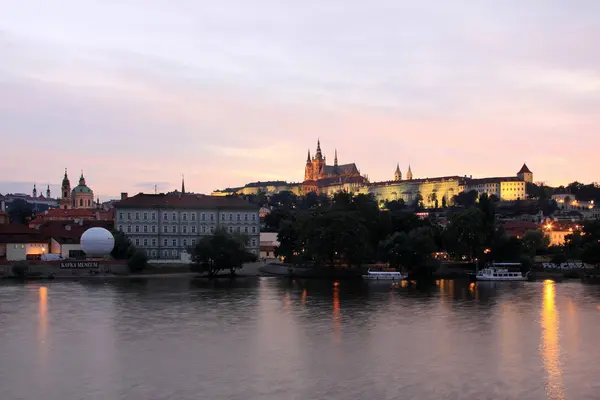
<point x="397" y="173"/>
<point x="308" y="158"/>
<point x="81" y="179"/>
<point x="48" y="192"/>
<point x="318" y="155"/>
<point x="34" y="190"/>
<point x="335" y="161"/>
<point x="398" y="168"/>
<point x="409" y="174"/>
<point x="65" y="178"/>
<point x="182" y="185"/>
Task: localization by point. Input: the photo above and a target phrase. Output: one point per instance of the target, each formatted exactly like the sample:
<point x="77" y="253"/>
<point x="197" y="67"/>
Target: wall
<point x="19" y="251"/>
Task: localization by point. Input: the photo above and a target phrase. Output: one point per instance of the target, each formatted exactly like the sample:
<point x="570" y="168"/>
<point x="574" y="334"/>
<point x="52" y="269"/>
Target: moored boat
<point x="497" y="272"/>
<point x="389" y="275"/>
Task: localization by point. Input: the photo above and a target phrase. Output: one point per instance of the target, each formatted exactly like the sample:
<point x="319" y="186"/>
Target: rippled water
<point x="271" y="339"/>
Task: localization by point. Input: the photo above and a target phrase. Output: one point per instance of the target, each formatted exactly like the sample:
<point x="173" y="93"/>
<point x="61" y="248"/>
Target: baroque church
<point x="80" y="197"/>
<point x="318" y="175"/>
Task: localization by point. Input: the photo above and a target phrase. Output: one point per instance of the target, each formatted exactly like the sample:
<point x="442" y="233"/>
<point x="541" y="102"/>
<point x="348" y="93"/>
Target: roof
<point x="18" y="233"/>
<point x="336" y="180"/>
<point x="421" y="180"/>
<point x="343" y="169"/>
<point x="201" y="201"/>
<point x="524" y="170"/>
<point x="268" y="183"/>
<point x="479" y="181"/>
<point x="66" y="232"/>
<point x="81" y="189"/>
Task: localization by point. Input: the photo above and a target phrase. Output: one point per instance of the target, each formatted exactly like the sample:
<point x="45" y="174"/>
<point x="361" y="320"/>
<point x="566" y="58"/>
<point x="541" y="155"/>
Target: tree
<point x="20" y="211"/>
<point x="535" y="242"/>
<point x="466" y="234"/>
<point x="444" y="202"/>
<point x="466" y="199"/>
<point x="419" y="200"/>
<point x="220" y="251"/>
<point x="123" y="248"/>
<point x="137" y="262"/>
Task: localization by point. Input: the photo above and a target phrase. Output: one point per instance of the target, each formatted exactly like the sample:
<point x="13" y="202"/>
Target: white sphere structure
<point x="97" y="242"/>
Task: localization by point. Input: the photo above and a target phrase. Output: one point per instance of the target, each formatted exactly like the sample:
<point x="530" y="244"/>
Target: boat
<point x="389" y="275"/>
<point x="498" y="272"/>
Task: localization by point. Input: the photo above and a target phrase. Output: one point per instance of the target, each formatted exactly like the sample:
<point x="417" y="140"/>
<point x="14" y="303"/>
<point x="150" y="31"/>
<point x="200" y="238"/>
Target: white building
<point x="164" y="225"/>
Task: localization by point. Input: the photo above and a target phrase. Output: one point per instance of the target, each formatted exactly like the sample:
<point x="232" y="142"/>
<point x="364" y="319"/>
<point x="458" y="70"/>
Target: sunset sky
<point x="137" y="92"/>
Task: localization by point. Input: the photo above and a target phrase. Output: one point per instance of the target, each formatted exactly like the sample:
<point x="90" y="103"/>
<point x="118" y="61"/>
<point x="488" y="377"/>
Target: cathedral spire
<point x="34" y="190"/>
<point x="335" y="161"/>
<point x="409" y="174"/>
<point x="318" y="155"/>
<point x="48" y="191"/>
<point x="308" y="158"/>
<point x="182" y="184"/>
<point x="397" y="173"/>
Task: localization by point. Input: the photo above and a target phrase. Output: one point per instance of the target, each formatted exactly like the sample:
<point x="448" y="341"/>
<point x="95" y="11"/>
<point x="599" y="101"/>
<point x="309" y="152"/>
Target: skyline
<point x="137" y="93"/>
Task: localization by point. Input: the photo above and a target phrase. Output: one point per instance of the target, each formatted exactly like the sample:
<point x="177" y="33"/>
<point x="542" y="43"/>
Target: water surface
<point x="266" y="338"/>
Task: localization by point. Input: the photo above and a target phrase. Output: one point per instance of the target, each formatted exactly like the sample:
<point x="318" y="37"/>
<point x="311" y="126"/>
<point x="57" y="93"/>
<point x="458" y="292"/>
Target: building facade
<point x="164" y="225"/>
<point x="80" y="197"/>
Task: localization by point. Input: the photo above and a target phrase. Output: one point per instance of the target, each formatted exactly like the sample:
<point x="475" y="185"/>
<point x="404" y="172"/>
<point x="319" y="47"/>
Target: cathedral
<point x="80" y="197"/>
<point x="318" y="175"/>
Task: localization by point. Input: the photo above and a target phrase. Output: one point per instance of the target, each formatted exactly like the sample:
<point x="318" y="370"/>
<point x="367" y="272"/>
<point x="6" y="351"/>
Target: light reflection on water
<point x="273" y="339"/>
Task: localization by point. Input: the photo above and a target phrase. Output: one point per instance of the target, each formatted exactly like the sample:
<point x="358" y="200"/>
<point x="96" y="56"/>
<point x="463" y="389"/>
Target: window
<point x="153" y="228"/>
<point x="194" y="229"/>
<point x="231" y="216"/>
<point x="212" y="217"/>
<point x="165" y="216"/>
<point x="184" y="242"/>
<point x="128" y="215"/>
<point x="137" y="215"/>
<point x="174" y="229"/>
<point x="166" y="254"/>
<point x="121" y="228"/>
<point x="193" y="242"/>
<point x="165" y="242"/>
<point x="145" y="216"/>
<point x="184" y="216"/>
<point x="223" y="217"/>
<point x="238" y="229"/>
<point x="174" y="216"/>
<point x="121" y="216"/>
<point x="245" y="229"/>
<point x="193" y="216"/>
<point x="253" y="217"/>
<point x="128" y="228"/>
<point x="165" y="228"/>
<point x="145" y="242"/>
<point x="137" y="229"/>
<point x="212" y="229"/>
<point x="245" y="216"/>
<point x="153" y="242"/>
<point x="153" y="216"/>
<point x="80" y="202"/>
<point x="153" y="253"/>
<point x="174" y="242"/>
<point x="239" y="217"/>
<point x="184" y="228"/>
<point x="145" y="228"/>
<point x="203" y="217"/>
<point x="231" y="229"/>
<point x="137" y="242"/>
<point x="253" y="242"/>
<point x="253" y="229"/>
<point x="174" y="253"/>
<point x="203" y="229"/>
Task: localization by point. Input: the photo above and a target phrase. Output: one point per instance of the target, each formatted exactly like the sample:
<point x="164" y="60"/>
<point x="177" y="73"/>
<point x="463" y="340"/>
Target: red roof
<point x="69" y="232"/>
<point x="184" y="201"/>
<point x="18" y="233"/>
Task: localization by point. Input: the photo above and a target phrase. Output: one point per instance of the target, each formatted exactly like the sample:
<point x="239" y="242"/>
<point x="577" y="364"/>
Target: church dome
<point x="81" y="189"/>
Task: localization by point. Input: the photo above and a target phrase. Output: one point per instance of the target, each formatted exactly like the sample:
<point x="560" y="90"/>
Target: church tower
<point x="65" y="200"/>
<point x="308" y="168"/>
<point x="34" y="191"/>
<point x="397" y="174"/>
<point x="318" y="163"/>
<point x="409" y="174"/>
<point x="525" y="174"/>
<point x="182" y="185"/>
<point x="48" y="192"/>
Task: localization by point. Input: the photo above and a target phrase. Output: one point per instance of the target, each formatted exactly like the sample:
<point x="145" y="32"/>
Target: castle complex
<point x="330" y="179"/>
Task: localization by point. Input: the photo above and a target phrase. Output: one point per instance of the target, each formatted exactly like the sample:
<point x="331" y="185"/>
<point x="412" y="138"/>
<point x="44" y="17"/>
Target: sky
<point x="138" y="92"/>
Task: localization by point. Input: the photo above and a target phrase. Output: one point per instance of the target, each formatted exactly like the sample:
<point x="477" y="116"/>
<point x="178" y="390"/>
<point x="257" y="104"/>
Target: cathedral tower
<point x="34" y="191"/>
<point x="65" y="200"/>
<point x="397" y="174"/>
<point x="409" y="174"/>
<point x="48" y="192"/>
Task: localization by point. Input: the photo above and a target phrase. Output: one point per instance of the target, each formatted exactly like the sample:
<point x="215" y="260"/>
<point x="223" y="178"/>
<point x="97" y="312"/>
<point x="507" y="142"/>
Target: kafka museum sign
<point x="79" y="264"/>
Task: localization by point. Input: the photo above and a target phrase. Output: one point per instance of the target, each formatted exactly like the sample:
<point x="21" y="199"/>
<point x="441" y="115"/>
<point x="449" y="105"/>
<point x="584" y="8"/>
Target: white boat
<point x="496" y="272"/>
<point x="384" y="275"/>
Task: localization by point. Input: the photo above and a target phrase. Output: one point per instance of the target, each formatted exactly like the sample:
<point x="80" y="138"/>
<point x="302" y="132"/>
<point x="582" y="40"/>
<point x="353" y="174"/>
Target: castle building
<point x="80" y="197"/>
<point x="431" y="192"/>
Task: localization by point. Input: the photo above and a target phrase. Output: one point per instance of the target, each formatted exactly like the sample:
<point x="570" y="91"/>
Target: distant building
<point x="73" y="215"/>
<point x="80" y="197"/>
<point x="19" y="243"/>
<point x="65" y="236"/>
<point x="164" y="225"/>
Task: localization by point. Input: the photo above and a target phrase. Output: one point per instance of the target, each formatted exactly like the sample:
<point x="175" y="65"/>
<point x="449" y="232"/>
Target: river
<point x="265" y="338"/>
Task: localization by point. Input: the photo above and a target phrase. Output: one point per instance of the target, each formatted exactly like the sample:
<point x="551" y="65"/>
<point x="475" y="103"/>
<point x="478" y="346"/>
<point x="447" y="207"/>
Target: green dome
<point x="81" y="189"/>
